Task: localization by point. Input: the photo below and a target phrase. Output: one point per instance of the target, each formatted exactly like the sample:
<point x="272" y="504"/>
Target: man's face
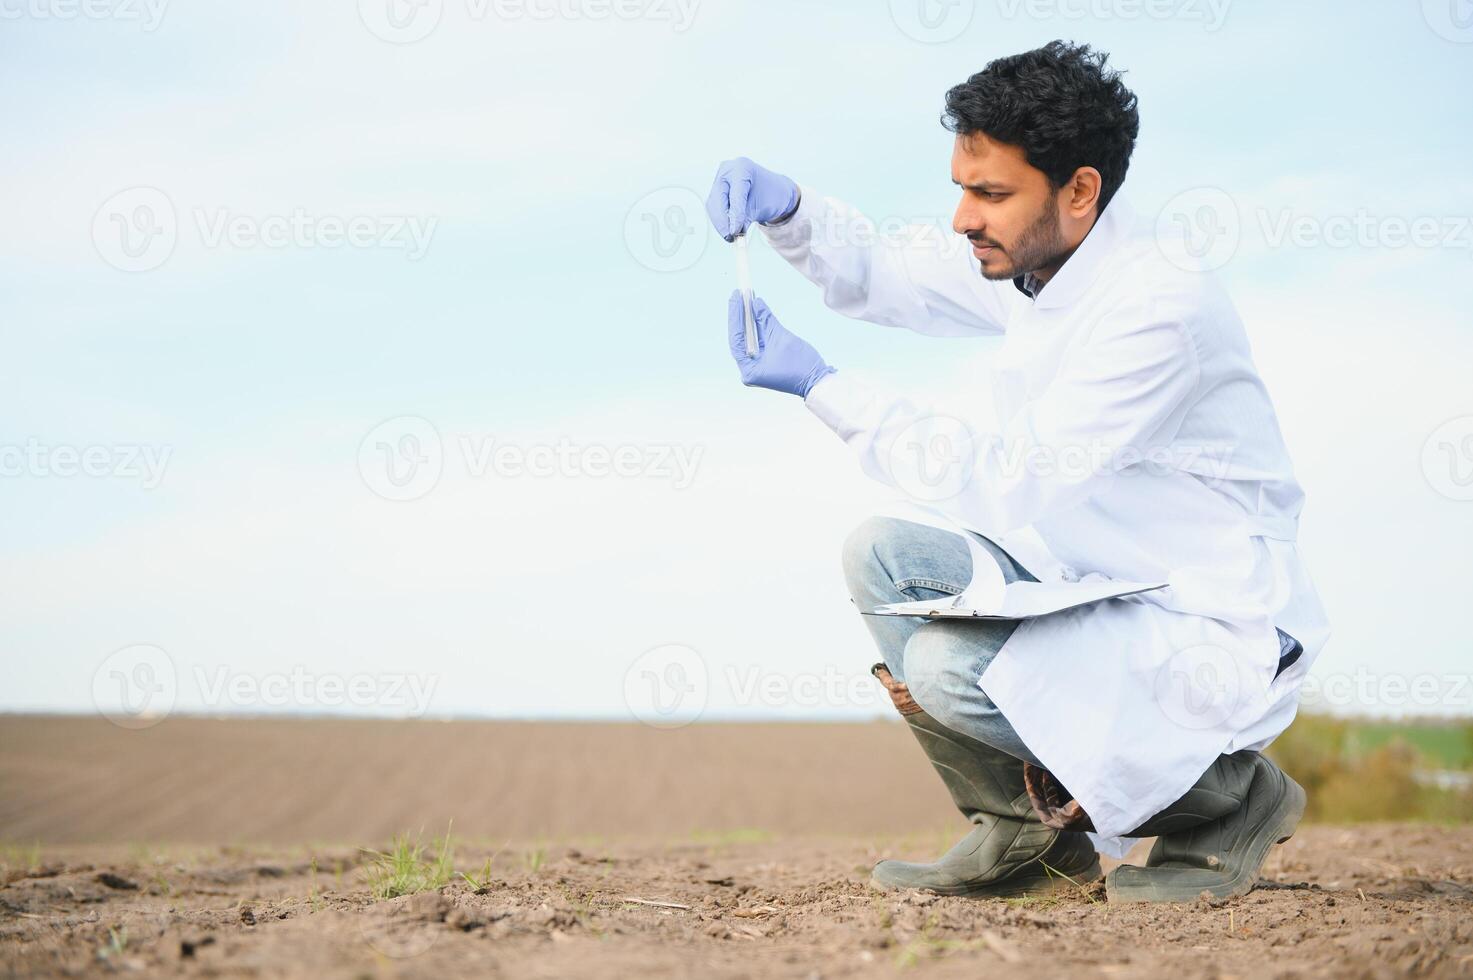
<point x="1008" y="210"/>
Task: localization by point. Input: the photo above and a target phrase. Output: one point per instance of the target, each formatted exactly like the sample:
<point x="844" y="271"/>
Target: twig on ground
<point x="658" y="905"/>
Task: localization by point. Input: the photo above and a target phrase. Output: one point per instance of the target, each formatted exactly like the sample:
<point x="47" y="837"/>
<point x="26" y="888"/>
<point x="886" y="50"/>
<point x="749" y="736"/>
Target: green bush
<point x="1357" y="770"/>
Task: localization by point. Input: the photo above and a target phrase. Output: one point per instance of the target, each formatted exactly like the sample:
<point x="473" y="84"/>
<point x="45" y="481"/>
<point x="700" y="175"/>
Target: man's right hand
<point x="743" y="193"/>
<point x="899" y="692"/>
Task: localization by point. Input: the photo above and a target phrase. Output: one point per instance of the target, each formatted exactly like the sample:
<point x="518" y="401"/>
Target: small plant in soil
<point x="406" y="868"/>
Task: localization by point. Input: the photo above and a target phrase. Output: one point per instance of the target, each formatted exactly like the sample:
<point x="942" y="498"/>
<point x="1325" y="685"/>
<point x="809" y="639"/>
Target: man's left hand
<point x="783" y="362"/>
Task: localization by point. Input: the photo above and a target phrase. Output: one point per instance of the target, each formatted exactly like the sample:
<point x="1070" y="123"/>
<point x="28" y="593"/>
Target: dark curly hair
<point x="1060" y="104"/>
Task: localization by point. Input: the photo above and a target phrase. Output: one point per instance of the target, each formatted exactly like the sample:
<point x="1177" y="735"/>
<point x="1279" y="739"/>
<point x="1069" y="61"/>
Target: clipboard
<point x="990" y="596"/>
<point x="1020" y="600"/>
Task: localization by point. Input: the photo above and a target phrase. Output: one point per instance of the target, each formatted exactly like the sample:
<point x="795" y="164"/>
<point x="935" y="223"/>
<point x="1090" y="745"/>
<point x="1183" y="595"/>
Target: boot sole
<point x="1277" y="830"/>
<point x="1024" y="882"/>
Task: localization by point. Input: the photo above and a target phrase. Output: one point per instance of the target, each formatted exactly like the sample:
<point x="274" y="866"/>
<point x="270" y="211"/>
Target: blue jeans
<point x="890" y="560"/>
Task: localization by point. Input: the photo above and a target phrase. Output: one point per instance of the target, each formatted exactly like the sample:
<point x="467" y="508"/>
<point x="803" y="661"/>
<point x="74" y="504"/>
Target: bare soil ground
<point x="711" y="890"/>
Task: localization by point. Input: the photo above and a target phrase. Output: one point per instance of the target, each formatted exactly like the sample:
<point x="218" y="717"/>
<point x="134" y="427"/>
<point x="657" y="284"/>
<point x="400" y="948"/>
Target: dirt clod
<point x="117" y="882"/>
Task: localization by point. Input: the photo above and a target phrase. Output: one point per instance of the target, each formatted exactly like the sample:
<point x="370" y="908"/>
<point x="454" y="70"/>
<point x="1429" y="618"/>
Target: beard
<point x="1039" y="246"/>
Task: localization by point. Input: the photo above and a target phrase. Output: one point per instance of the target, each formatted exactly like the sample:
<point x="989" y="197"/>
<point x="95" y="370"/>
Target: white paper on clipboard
<point x="989" y="596"/>
<point x="1020" y="600"/>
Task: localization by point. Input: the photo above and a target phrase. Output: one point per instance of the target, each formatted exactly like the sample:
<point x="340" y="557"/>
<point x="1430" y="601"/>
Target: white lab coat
<point x="1156" y="456"/>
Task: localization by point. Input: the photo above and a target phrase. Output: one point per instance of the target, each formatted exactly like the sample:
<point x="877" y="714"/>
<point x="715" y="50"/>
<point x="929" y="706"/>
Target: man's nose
<point x="965" y="220"/>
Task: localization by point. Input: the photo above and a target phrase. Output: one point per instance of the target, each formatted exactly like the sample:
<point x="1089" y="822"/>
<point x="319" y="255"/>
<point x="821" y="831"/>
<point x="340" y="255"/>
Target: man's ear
<point x="1082" y="193"/>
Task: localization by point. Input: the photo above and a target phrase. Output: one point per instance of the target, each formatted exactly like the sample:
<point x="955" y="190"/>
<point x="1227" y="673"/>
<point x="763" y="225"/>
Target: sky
<point x="257" y="257"/>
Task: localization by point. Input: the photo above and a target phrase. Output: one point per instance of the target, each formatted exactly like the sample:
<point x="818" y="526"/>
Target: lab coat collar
<point x="1083" y="267"/>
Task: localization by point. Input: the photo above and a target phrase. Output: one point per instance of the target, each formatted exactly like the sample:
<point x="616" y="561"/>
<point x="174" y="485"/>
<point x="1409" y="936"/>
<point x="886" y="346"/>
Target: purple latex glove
<point x="743" y="193"/>
<point x="783" y="362"/>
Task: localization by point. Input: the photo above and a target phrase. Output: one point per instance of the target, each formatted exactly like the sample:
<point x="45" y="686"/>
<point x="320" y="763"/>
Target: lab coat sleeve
<point x="918" y="276"/>
<point x="1117" y="396"/>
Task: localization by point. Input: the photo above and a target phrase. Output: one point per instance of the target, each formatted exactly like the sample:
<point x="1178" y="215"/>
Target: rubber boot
<point x="1009" y="852"/>
<point x="1215" y="838"/>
